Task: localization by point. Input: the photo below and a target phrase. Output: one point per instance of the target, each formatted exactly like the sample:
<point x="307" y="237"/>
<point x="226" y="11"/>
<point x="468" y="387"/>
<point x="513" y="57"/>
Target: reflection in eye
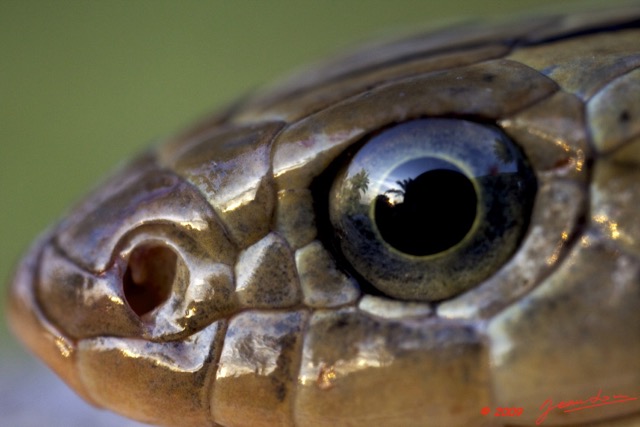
<point x="430" y="208"/>
<point x="430" y="205"/>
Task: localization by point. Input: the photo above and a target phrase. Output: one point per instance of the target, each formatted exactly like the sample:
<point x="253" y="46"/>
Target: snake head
<point x="402" y="236"/>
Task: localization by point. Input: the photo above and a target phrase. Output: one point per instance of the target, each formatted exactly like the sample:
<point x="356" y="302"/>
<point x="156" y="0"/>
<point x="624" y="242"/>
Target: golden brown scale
<point x="255" y="318"/>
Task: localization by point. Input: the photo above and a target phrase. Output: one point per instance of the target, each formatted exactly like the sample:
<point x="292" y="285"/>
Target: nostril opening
<point x="149" y="277"/>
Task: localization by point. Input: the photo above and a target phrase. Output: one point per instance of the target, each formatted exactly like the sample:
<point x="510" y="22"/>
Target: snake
<point x="439" y="230"/>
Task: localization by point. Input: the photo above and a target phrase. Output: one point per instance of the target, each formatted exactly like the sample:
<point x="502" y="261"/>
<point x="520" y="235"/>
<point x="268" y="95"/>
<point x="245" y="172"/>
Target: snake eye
<point x="429" y="208"/>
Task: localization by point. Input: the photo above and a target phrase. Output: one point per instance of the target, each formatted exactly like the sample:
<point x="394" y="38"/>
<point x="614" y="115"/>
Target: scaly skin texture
<point x="261" y="323"/>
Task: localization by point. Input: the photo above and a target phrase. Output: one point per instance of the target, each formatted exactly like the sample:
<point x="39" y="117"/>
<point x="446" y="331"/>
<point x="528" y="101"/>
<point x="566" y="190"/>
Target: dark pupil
<point x="430" y="208"/>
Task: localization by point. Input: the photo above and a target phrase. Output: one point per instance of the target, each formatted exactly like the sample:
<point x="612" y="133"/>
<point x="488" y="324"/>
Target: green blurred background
<point x="84" y="84"/>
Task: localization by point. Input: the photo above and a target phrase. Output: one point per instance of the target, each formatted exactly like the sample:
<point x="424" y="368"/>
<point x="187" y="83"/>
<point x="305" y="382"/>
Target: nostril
<point x="149" y="277"/>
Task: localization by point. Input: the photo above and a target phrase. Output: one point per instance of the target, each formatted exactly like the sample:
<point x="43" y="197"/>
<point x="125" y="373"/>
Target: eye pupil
<point x="430" y="207"/>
